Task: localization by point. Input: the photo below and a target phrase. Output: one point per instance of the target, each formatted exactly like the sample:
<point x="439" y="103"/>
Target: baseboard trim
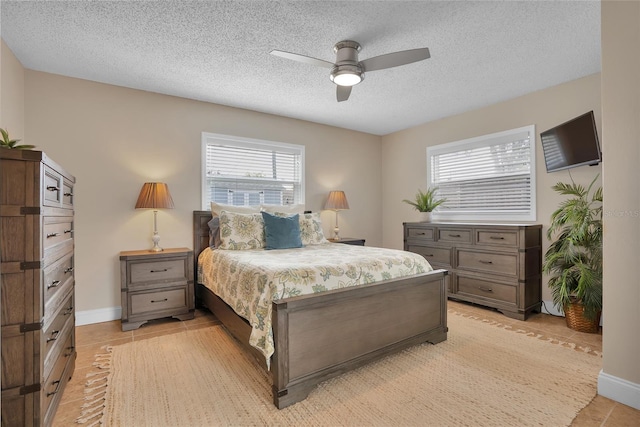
<point x="100" y="315"/>
<point x="618" y="389"/>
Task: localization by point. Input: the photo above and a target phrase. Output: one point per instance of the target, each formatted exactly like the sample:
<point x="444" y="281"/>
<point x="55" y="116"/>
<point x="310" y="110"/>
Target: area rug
<point x="485" y="374"/>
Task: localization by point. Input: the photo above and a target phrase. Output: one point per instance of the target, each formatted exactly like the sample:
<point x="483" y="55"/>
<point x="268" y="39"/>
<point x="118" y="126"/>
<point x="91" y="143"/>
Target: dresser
<point x="495" y="265"/>
<point x="37" y="269"/>
<point x="156" y="285"/>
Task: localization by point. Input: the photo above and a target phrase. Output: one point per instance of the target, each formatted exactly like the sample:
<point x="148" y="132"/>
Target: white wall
<point x="620" y="376"/>
<point x="11" y="94"/>
<point x="113" y="139"/>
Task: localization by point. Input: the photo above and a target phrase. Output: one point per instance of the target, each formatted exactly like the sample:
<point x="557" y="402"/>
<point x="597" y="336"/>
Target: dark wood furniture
<point x="323" y="335"/>
<point x="37" y="263"/>
<point x="156" y="285"/>
<point x="495" y="265"/>
<point x="349" y="241"/>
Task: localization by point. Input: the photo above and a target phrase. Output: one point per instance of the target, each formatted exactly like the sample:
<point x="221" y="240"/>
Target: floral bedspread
<point x="249" y="280"/>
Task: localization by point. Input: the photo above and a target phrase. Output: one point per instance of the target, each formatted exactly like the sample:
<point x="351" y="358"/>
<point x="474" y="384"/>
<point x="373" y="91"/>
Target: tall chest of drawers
<point x="495" y="265"/>
<point x="37" y="273"/>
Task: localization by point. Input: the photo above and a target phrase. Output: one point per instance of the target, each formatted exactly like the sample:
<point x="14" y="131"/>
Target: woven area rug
<point x="485" y="374"/>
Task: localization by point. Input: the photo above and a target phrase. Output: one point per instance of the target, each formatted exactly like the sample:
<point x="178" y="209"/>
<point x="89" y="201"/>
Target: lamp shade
<point x="336" y="201"/>
<point x="154" y="195"/>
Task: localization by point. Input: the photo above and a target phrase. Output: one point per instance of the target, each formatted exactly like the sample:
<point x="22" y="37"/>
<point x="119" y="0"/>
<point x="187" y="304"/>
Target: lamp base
<point x="336" y="234"/>
<point x="156" y="240"/>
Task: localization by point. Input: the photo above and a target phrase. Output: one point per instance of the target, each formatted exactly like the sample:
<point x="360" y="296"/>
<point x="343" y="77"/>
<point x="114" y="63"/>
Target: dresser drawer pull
<point x="53" y="188"/>
<point x="421" y="234"/>
<point x="68" y="231"/>
<point x="428" y="255"/>
<point x="51" y="235"/>
<point x="68" y="270"/>
<point x="496" y="237"/>
<point x="485" y="289"/>
<point x="160" y="300"/>
<point x="54" y="284"/>
<point x="54" y="336"/>
<point x="454" y="235"/>
<point x="160" y="271"/>
<point x="57" y="383"/>
<point x="484" y="262"/>
<point x="68" y="194"/>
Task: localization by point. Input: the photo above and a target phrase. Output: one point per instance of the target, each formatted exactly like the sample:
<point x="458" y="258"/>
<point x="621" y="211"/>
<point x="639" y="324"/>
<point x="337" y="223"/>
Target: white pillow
<point x="286" y="209"/>
<point x="216" y="208"/>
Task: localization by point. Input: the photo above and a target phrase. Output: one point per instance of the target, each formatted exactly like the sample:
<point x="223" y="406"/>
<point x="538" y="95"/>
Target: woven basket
<point x="574" y="315"/>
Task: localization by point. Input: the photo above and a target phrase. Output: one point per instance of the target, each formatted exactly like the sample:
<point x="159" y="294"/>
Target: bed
<point x="322" y="335"/>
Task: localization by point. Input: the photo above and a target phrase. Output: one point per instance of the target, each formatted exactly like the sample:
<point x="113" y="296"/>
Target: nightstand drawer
<point x="158" y="271"/>
<point x="155" y="302"/>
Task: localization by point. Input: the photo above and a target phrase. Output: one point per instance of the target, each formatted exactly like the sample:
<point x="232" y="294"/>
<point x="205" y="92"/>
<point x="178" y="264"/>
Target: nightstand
<point x="156" y="285"/>
<point x="349" y="241"/>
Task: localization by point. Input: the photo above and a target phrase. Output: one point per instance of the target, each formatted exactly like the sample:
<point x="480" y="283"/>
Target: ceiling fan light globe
<point x="346" y="79"/>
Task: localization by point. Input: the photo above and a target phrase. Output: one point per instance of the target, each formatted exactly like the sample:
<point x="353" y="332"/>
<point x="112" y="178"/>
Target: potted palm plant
<point x="425" y="202"/>
<point x="574" y="258"/>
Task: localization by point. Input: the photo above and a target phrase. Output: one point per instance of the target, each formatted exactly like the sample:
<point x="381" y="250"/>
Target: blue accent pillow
<point x="281" y="232"/>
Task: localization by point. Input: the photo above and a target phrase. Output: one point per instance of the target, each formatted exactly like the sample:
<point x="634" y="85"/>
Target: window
<point x="491" y="177"/>
<point x="241" y="171"/>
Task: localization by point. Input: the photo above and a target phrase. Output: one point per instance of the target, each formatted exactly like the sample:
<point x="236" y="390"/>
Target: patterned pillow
<point x="311" y="229"/>
<point x="241" y="231"/>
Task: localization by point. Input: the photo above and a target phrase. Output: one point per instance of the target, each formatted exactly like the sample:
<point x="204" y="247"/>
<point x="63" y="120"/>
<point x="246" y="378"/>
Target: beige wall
<point x="11" y="94"/>
<point x="621" y="130"/>
<point x="113" y="139"/>
<point x="404" y="153"/>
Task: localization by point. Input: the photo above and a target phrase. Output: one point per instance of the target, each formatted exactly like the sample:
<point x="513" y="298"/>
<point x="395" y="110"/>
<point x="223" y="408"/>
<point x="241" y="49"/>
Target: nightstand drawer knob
<point x="160" y="300"/>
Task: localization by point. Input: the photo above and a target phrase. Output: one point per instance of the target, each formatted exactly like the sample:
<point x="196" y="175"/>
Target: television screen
<point x="571" y="144"/>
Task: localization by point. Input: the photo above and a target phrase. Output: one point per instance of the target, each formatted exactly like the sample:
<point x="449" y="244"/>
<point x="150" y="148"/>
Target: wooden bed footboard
<point x="323" y="335"/>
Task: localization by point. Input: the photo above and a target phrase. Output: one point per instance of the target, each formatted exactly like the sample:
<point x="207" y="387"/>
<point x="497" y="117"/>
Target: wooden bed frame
<point x="323" y="335"/>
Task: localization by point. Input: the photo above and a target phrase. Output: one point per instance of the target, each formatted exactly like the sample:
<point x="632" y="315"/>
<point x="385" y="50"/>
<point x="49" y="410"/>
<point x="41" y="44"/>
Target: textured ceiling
<point x="218" y="51"/>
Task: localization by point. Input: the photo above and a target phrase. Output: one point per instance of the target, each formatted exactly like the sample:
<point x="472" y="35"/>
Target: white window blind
<point x="241" y="171"/>
<point x="491" y="177"/>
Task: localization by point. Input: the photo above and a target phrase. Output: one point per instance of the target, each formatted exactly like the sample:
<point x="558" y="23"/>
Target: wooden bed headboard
<point x="200" y="234"/>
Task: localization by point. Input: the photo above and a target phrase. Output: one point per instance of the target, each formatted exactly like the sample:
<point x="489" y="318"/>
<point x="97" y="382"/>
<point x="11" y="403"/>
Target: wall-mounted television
<point x="571" y="144"/>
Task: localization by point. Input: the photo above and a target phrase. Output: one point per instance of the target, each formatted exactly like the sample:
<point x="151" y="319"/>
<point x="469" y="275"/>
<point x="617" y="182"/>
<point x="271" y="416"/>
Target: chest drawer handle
<point x="454" y="235"/>
<point x="51" y="235"/>
<point x="68" y="231"/>
<point x="160" y="300"/>
<point x="68" y="194"/>
<point x="496" y="237"/>
<point x="57" y="384"/>
<point x="484" y="262"/>
<point x="54" y="336"/>
<point x="68" y="311"/>
<point x="54" y="284"/>
<point x="68" y="270"/>
<point x="53" y="188"/>
<point x="70" y="351"/>
<point x="160" y="271"/>
<point x="485" y="289"/>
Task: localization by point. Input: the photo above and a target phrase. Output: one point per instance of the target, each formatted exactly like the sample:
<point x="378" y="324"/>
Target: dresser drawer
<point x="57" y="279"/>
<point x="155" y="302"/>
<point x="488" y="262"/>
<point x="435" y="255"/>
<point x="454" y="235"/>
<point x="420" y="233"/>
<point x="503" y="238"/>
<point x="56" y="230"/>
<point x="57" y="334"/>
<point x="483" y="288"/>
<point x="171" y="269"/>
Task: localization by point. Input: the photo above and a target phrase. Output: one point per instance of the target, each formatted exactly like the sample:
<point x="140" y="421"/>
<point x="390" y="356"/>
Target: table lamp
<point x="155" y="195"/>
<point x="336" y="201"/>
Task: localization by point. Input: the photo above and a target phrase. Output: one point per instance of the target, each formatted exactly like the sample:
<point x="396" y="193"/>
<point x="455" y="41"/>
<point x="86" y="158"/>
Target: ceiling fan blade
<point x="343" y="92"/>
<point x="395" y="59"/>
<point x="301" y="58"/>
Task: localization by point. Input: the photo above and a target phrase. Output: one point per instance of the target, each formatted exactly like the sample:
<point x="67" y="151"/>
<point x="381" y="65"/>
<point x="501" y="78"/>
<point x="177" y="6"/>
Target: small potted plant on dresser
<point x="425" y="202"/>
<point x="574" y="259"/>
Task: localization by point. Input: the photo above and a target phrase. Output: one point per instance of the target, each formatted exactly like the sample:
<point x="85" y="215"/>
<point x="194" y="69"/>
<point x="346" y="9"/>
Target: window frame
<point x="480" y="142"/>
<point x="237" y="141"/>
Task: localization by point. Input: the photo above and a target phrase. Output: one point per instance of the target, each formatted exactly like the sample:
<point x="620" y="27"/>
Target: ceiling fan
<point x="348" y="71"/>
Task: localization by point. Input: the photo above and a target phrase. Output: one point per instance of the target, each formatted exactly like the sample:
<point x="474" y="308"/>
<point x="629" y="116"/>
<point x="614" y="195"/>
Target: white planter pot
<point x="425" y="216"/>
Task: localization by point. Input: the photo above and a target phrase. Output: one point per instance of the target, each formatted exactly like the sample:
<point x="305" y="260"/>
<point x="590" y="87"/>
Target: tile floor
<point x="90" y="338"/>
